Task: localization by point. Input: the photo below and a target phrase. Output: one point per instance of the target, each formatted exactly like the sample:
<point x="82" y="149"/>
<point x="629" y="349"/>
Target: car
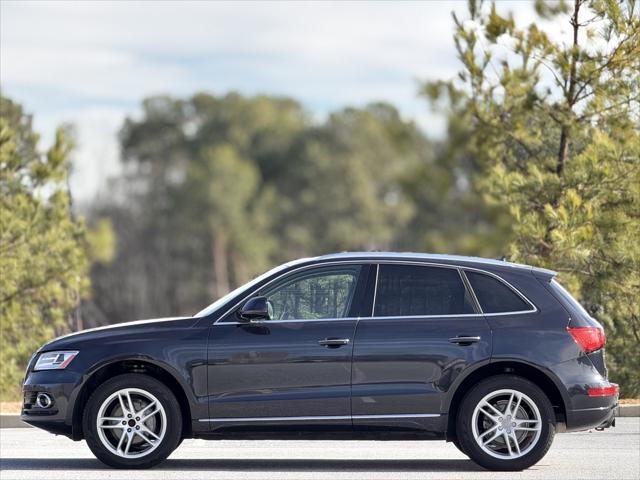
<point x="493" y="356"/>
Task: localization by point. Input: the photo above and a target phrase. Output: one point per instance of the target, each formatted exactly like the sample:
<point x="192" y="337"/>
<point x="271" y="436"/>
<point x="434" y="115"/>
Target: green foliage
<point x="217" y="189"/>
<point x="555" y="128"/>
<point x="42" y="258"/>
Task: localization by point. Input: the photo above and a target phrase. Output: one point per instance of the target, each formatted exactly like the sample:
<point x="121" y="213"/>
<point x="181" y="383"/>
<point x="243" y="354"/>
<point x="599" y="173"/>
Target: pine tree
<point x="555" y="123"/>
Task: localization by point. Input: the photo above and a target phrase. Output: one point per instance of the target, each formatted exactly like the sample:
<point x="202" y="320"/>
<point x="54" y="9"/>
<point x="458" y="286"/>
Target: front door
<point x="293" y="369"/>
<point x="423" y="332"/>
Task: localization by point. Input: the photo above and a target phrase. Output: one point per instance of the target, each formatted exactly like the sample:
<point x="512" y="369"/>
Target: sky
<point x="91" y="63"/>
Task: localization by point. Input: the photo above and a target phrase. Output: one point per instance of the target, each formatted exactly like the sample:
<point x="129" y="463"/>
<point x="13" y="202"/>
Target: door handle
<point x="333" y="342"/>
<point x="463" y="340"/>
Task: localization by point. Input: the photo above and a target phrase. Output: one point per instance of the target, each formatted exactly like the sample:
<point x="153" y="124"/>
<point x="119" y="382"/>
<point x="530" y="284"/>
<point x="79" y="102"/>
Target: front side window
<point x="413" y="290"/>
<point x="321" y="293"/>
<point x="494" y="296"/>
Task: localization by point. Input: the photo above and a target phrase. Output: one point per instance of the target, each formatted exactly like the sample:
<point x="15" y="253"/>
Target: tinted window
<point x="322" y="293"/>
<point x="494" y="296"/>
<point x="405" y="290"/>
<point x="567" y="300"/>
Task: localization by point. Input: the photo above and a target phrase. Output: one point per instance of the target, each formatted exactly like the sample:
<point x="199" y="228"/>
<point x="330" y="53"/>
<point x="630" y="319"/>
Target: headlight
<point x="54" y="360"/>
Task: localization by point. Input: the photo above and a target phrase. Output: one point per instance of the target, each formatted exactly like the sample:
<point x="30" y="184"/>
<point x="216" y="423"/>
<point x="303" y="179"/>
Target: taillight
<point x="604" y="391"/>
<point x="589" y="339"/>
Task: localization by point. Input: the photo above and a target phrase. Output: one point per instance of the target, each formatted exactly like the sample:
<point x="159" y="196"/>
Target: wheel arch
<point x="130" y="365"/>
<point x="542" y="379"/>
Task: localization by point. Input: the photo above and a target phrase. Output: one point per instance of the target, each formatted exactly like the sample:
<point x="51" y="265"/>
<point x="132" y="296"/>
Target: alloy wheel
<point x="131" y="423"/>
<point x="506" y="424"/>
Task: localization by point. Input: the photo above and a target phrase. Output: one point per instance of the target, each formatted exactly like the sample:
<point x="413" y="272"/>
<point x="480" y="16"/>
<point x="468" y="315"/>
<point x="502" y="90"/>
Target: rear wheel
<point x="505" y="423"/>
<point x="132" y="421"/>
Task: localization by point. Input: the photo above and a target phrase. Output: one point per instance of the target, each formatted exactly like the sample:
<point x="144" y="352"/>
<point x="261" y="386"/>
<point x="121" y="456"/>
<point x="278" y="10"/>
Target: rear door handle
<point x="333" y="342"/>
<point x="463" y="340"/>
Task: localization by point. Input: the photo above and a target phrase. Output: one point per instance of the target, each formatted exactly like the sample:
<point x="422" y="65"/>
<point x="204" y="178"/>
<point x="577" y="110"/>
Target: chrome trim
<point x="514" y="289"/>
<point x="467" y="285"/>
<point x="318" y="417"/>
<point x="402" y="415"/>
<point x="378" y="263"/>
<point x="375" y="291"/>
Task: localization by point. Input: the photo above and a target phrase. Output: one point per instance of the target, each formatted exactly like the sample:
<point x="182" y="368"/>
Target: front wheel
<point x="505" y="423"/>
<point x="132" y="421"/>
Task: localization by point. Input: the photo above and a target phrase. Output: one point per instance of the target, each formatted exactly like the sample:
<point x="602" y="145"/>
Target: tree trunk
<point x="220" y="268"/>
<point x="563" y="151"/>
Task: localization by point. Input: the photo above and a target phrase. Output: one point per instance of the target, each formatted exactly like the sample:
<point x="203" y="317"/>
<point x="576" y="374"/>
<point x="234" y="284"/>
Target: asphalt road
<point x="29" y="453"/>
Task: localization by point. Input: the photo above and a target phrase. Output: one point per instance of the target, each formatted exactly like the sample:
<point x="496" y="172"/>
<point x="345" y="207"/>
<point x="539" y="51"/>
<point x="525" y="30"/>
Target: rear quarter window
<point x="495" y="296"/>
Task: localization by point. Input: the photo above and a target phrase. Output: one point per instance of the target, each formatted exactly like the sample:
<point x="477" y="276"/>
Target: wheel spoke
<point x="122" y="437"/>
<point x="515" y="410"/>
<point x="141" y="412"/>
<point x="140" y="434"/>
<point x="111" y="419"/>
<point x="526" y="429"/>
<point x="129" y="442"/>
<point x="515" y="442"/>
<point x="112" y="426"/>
<point x="506" y="439"/>
<point x="149" y="415"/>
<point x="149" y="432"/>
<point x="495" y="435"/>
<point x="507" y="408"/>
<point x="132" y="410"/>
<point x="124" y="408"/>
<point x="497" y="412"/>
<point x="488" y="431"/>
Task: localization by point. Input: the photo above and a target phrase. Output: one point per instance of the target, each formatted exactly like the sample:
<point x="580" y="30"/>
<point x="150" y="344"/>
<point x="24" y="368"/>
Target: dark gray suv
<point x="492" y="356"/>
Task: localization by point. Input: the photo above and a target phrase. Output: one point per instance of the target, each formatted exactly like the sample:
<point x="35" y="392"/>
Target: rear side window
<point x="494" y="296"/>
<point x="412" y="290"/>
<point x="566" y="299"/>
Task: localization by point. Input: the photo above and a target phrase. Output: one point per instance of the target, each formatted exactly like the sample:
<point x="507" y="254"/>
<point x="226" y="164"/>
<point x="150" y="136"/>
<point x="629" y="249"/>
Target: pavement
<point x="29" y="453"/>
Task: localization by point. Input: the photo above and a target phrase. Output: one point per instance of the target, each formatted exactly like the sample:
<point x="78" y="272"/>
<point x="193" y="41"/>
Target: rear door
<point x="423" y="332"/>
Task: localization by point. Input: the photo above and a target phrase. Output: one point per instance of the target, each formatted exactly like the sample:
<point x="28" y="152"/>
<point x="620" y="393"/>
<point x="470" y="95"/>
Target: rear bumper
<point x="598" y="417"/>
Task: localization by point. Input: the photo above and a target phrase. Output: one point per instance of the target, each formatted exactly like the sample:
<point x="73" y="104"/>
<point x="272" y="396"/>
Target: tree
<point x="555" y="126"/>
<point x="218" y="188"/>
<point x="43" y="261"/>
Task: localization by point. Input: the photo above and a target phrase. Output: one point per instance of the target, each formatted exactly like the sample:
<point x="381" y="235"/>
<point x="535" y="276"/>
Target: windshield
<point x="222" y="300"/>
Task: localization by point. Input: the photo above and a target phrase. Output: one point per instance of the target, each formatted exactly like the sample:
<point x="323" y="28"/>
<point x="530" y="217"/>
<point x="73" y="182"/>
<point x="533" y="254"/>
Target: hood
<point x="126" y="328"/>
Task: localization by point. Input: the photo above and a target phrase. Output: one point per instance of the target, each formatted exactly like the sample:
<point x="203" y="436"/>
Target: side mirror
<point x="256" y="308"/>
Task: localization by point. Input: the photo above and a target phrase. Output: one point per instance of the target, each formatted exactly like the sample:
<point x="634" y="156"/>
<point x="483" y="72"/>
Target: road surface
<point x="28" y="453"/>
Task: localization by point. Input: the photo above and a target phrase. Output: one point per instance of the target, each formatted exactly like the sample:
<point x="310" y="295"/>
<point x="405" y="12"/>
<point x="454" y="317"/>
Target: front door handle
<point x="333" y="342"/>
<point x="464" y="340"/>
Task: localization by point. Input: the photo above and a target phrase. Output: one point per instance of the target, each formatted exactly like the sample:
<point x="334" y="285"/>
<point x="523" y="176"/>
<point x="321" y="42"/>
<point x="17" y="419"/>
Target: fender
<point x="74" y="414"/>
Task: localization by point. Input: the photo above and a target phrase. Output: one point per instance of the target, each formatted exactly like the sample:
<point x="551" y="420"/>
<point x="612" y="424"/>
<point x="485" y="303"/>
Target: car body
<point x="343" y="346"/>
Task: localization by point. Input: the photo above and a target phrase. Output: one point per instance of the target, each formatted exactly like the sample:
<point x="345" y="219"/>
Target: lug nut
<point x="124" y="422"/>
<point x="129" y="430"/>
<point x="513" y="424"/>
<point x="137" y="419"/>
<point x="137" y="427"/>
<point x="129" y="416"/>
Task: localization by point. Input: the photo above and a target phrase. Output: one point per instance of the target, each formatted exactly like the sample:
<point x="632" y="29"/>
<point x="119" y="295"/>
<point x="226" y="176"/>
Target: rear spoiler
<point x="543" y="274"/>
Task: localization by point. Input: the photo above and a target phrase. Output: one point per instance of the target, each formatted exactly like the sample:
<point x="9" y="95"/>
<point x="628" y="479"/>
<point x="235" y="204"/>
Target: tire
<point x="510" y="442"/>
<point x="456" y="442"/>
<point x="134" y="444"/>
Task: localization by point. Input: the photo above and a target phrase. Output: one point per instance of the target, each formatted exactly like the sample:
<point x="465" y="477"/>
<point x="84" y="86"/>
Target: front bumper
<point x="62" y="387"/>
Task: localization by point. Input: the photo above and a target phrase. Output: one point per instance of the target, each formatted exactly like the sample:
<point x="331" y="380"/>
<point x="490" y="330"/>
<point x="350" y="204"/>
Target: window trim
<point x="357" y="269"/>
<point x="475" y="306"/>
<point x="533" y="308"/>
<point x="377" y="264"/>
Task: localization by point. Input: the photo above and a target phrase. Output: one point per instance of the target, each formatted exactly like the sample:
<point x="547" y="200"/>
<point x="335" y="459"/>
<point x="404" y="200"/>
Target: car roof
<point x="430" y="257"/>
